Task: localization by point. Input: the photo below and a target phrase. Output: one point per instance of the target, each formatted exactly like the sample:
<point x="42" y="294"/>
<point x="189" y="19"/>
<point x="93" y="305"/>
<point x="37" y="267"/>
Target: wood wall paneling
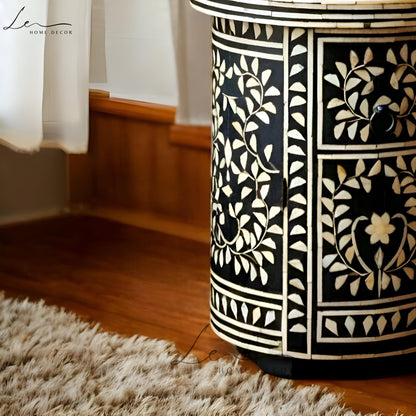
<point x="141" y="164"/>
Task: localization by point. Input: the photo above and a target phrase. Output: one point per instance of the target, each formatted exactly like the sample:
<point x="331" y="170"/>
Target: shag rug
<point x="52" y="363"/>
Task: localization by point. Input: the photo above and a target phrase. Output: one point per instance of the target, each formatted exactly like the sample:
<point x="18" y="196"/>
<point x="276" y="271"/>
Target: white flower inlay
<point x="380" y="228"/>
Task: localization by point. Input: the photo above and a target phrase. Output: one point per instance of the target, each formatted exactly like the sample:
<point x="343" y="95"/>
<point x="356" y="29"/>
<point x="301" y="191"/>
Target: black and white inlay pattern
<point x="246" y="184"/>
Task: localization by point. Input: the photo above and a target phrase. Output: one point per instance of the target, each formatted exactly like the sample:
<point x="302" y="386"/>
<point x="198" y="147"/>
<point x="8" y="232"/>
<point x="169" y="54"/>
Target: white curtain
<point x="44" y="74"/>
<point x="192" y="43"/>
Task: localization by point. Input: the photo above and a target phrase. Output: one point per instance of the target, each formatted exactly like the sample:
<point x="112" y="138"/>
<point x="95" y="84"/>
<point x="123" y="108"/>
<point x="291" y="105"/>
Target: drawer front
<point x="366" y="92"/>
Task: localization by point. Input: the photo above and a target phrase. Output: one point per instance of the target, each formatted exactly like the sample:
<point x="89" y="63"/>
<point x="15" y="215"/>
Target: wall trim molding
<point x="197" y="137"/>
<point x="101" y="102"/>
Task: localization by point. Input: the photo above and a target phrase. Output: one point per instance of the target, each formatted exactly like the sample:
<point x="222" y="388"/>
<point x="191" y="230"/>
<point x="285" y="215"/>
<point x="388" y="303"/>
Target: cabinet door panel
<point x="247" y="183"/>
<point x="358" y="77"/>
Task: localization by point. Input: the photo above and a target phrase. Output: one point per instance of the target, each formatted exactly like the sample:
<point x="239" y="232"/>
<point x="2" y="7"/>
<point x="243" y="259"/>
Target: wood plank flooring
<point x="136" y="281"/>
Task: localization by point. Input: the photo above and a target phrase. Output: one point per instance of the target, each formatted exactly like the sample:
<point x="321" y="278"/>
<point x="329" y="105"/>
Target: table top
<point x="350" y="14"/>
<point x="340" y="2"/>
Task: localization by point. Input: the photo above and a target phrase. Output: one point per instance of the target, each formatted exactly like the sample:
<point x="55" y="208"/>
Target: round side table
<point x="313" y="184"/>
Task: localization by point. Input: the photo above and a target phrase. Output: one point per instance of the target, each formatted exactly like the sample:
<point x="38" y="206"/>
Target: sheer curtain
<point x="44" y="74"/>
<point x="192" y="43"/>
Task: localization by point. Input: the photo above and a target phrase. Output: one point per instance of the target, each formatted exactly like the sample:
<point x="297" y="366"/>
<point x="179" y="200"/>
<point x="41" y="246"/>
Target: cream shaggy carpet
<point x="51" y="363"/>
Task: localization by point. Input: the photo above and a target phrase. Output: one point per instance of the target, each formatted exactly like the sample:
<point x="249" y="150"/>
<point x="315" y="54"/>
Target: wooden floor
<point x="135" y="281"/>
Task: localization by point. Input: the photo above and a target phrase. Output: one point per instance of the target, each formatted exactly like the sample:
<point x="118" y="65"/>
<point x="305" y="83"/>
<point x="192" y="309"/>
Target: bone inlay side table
<point x="313" y="183"/>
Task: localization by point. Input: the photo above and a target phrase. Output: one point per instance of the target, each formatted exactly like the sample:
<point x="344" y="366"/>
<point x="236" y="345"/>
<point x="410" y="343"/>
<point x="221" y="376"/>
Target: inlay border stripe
<point x="245" y="299"/>
<point x="248" y="291"/>
<point x="247" y="41"/>
<point x="249" y="337"/>
<point x="240" y="344"/>
<point x="247" y="52"/>
<point x="373" y="313"/>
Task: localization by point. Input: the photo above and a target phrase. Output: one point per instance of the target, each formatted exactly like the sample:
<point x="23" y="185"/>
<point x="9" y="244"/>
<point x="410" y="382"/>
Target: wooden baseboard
<point x="26" y="218"/>
<point x="197" y="137"/>
<point x="148" y="221"/>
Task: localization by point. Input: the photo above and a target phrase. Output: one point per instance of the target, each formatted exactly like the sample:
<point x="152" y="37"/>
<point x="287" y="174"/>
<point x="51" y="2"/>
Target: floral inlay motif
<point x="365" y="82"/>
<point x="372" y="240"/>
<point x="244" y="215"/>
